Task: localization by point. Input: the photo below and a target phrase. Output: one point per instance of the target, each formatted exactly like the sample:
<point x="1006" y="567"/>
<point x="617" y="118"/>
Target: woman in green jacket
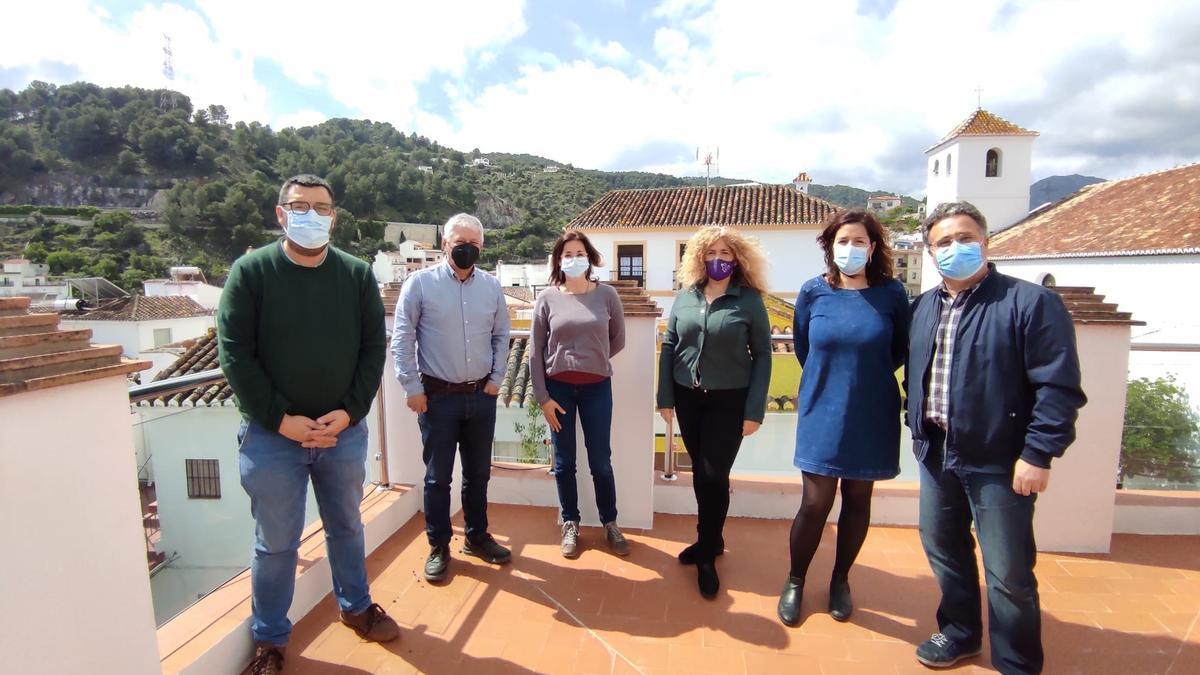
<point x="713" y="374"/>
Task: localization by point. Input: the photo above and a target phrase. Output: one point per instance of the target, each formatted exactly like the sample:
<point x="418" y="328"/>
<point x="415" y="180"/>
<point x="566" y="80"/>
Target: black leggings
<point x="819" y="492"/>
<point x="710" y="422"/>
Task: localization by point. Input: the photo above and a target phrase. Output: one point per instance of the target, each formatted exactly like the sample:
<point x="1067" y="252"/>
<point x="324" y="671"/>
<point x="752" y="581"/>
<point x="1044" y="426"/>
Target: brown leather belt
<point x="434" y="385"/>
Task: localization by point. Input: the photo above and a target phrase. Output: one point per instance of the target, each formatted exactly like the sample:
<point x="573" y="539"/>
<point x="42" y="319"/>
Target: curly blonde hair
<point x="751" y="270"/>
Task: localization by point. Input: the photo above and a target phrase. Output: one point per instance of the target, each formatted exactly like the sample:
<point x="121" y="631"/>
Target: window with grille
<point x="203" y="478"/>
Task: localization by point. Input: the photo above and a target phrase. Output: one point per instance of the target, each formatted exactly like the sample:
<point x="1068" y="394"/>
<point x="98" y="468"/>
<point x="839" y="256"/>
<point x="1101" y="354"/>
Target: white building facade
<point x="1103" y="237"/>
<point x="641" y="233"/>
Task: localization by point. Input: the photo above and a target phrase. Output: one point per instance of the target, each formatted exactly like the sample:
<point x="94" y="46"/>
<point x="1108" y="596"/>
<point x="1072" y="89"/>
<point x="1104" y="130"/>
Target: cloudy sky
<point x="851" y="92"/>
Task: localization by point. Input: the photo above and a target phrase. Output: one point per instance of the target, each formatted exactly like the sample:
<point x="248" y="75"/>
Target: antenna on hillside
<point x="167" y="99"/>
<point x="711" y="160"/>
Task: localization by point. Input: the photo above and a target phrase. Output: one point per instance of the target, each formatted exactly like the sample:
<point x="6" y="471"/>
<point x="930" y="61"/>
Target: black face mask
<point x="464" y="255"/>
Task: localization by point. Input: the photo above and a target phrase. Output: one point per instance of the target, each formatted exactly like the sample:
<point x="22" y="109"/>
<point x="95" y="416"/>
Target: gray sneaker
<point x="570" y="539"/>
<point x="616" y="540"/>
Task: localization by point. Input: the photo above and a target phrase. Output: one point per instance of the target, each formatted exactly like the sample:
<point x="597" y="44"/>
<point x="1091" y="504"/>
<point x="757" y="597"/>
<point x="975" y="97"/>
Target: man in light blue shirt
<point x="450" y="344"/>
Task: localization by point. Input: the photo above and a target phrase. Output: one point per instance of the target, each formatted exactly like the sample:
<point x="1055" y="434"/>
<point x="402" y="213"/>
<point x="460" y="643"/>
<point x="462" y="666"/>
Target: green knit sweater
<point x="301" y="340"/>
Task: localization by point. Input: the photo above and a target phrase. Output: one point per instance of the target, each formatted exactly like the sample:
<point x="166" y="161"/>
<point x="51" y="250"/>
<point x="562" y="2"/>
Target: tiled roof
<point x="802" y="177"/>
<point x="515" y="388"/>
<point x="201" y="356"/>
<point x="144" y="308"/>
<point x="519" y="293"/>
<point x="984" y="123"/>
<point x="1152" y="214"/>
<point x="686" y="207"/>
<point x="883" y="197"/>
<point x="36" y="354"/>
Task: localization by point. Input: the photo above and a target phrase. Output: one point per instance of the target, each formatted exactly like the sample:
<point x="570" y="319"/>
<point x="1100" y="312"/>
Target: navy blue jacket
<point x="1014" y="385"/>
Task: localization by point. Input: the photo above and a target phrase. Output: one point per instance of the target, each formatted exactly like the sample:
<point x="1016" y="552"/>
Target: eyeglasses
<point x="301" y="208"/>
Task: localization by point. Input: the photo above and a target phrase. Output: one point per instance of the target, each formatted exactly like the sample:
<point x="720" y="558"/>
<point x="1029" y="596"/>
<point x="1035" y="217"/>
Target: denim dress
<point x="850" y="343"/>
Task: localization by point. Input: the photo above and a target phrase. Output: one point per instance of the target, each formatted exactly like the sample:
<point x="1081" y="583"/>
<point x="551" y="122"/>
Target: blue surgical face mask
<point x="308" y="230"/>
<point x="574" y="267"/>
<point x="959" y="261"/>
<point x="849" y="258"/>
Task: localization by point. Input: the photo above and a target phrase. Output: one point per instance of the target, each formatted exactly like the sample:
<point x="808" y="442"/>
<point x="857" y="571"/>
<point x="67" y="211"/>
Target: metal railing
<point x="174" y="385"/>
<point x="669" y="468"/>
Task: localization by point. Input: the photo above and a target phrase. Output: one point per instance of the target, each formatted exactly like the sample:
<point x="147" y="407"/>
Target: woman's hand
<point x="668" y="414"/>
<point x="749" y="427"/>
<point x="548" y="411"/>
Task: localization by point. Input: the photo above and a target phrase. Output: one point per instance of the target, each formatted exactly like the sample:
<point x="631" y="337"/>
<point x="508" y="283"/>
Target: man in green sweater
<point x="301" y="337"/>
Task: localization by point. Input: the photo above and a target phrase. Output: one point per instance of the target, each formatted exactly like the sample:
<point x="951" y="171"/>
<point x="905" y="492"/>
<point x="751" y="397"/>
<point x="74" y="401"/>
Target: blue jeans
<point x="950" y="501"/>
<point x="593" y="405"/>
<point x="275" y="471"/>
<point x="466" y="422"/>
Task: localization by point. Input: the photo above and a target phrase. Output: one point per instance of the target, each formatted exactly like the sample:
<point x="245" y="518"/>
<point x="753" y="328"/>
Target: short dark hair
<point x="949" y="210"/>
<point x="594" y="260"/>
<point x="304" y="180"/>
<point x="879" y="267"/>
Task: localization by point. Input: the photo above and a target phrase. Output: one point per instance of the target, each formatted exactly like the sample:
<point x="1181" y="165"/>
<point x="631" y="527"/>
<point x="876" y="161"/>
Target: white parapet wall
<point x="68" y="492"/>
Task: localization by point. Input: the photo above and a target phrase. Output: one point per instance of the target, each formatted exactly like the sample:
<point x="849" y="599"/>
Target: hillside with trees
<point x="201" y="189"/>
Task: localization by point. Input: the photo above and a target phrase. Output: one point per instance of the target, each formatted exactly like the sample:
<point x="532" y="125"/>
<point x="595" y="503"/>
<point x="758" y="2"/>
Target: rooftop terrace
<point x="1135" y="610"/>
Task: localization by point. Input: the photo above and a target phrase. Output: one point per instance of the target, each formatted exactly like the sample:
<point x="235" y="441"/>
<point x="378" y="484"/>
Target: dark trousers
<point x="950" y="501"/>
<point x="592" y="403"/>
<point x="466" y="422"/>
<point x="710" y="422"/>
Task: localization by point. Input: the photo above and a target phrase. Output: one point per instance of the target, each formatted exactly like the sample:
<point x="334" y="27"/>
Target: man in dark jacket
<point x="993" y="393"/>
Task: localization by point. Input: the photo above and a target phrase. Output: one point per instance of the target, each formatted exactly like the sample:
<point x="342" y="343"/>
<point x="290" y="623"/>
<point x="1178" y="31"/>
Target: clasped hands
<point x="320" y="433"/>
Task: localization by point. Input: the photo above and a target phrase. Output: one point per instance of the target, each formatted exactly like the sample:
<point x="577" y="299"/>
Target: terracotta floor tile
<point x="1127" y="612"/>
<point x="557" y="659"/>
<point x="705" y="659"/>
<point x="762" y="662"/>
<point x="1130" y="622"/>
<point x="1181" y="602"/>
<point x="1093" y="569"/>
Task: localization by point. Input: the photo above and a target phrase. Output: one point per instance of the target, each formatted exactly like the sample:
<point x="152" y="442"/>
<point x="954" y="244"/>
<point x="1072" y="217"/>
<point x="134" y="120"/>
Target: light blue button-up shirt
<point x="453" y="330"/>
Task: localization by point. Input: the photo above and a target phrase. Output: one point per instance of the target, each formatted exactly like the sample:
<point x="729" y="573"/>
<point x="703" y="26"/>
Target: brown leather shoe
<point x="373" y="624"/>
<point x="268" y="660"/>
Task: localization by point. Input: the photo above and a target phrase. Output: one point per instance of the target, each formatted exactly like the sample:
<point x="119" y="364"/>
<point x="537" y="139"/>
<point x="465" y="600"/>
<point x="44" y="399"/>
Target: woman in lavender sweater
<point x="578" y="326"/>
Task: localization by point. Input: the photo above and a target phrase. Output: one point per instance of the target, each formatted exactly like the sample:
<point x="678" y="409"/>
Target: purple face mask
<point x="718" y="269"/>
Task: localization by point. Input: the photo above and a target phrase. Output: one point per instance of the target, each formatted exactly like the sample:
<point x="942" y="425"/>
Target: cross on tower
<point x="979" y="97"/>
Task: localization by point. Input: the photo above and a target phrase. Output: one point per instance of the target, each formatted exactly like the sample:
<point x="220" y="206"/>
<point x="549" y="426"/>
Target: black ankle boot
<point x="692" y="554"/>
<point x="707" y="579"/>
<point x="840" y="606"/>
<point x="789" y="601"/>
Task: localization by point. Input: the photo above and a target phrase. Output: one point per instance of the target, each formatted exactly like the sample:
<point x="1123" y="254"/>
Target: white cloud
<point x="670" y="45"/>
<point x="847" y="97"/>
<point x="369" y="56"/>
<point x="781" y="87"/>
<point x="299" y="118"/>
<point x="132" y="54"/>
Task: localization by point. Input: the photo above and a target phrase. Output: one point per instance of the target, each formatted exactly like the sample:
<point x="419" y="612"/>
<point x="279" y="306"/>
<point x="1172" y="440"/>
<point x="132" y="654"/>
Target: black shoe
<point x="707" y="579"/>
<point x="487" y="549"/>
<point x="940" y="651"/>
<point x="789" y="601"/>
<point x="437" y="563"/>
<point x="691" y="554"/>
<point x="840" y="606"/>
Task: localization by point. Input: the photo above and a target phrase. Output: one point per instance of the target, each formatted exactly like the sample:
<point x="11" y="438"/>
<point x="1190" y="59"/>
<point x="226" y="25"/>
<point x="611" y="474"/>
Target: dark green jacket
<point x="301" y="340"/>
<point x="725" y="346"/>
